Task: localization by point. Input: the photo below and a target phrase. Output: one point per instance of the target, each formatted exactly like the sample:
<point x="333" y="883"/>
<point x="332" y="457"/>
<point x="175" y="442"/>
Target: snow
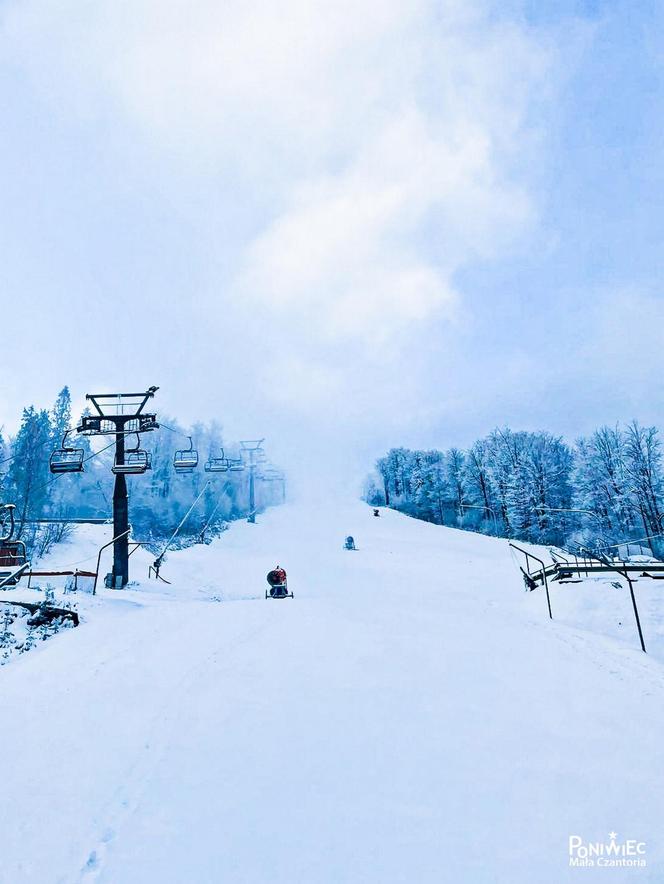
<point x="411" y="716"/>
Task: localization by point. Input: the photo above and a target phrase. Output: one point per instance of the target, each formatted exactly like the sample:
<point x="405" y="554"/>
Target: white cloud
<point x="382" y="146"/>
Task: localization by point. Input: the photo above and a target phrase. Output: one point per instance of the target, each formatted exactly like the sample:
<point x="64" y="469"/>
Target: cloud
<point x="357" y="156"/>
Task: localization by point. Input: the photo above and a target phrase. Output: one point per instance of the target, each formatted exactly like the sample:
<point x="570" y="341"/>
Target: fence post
<point x="544" y="577"/>
<point x="636" y="613"/>
<point x="625" y="574"/>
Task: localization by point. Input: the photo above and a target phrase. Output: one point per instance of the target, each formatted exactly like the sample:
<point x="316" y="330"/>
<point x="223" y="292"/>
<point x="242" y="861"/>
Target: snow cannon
<point x="278" y="585"/>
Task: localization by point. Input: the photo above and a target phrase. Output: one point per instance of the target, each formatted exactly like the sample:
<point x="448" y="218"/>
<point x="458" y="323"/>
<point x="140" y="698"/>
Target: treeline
<point x="158" y="499"/>
<point x="521" y="485"/>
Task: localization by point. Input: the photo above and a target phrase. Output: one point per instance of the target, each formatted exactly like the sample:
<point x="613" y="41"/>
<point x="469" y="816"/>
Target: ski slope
<point x="411" y="716"/>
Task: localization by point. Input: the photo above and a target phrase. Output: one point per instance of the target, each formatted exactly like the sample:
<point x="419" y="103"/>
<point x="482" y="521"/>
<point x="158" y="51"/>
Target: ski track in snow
<point x="125" y="801"/>
<point x="411" y="716"/>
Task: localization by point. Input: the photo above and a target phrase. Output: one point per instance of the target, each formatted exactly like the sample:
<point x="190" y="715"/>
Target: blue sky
<point x="366" y="224"/>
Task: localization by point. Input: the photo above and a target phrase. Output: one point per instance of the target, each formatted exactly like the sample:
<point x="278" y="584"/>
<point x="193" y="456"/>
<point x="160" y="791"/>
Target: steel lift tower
<point x="252" y="447"/>
<point x="121" y="415"/>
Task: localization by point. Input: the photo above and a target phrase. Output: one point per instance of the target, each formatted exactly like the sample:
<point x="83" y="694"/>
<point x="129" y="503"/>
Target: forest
<point x="604" y="489"/>
<point x="158" y="500"/>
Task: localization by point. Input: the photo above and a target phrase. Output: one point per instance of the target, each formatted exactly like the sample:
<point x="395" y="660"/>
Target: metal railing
<point x="589" y="562"/>
<point x="530" y="555"/>
<point x="105" y="546"/>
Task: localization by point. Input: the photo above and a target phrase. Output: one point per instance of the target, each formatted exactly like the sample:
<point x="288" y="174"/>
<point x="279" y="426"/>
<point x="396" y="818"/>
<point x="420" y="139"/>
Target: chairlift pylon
<point x="186" y="460"/>
<point x="66" y="459"/>
<point x="136" y="461"/>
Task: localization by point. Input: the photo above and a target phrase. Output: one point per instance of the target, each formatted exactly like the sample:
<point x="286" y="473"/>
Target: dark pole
<point x="252" y="446"/>
<point x="120" y="410"/>
<point x="636" y="613"/>
<point x="252" y="496"/>
<point x="120" y="519"/>
<point x="624" y="574"/>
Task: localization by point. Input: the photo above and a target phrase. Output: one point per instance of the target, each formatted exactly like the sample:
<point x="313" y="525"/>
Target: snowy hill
<point x="411" y="716"/>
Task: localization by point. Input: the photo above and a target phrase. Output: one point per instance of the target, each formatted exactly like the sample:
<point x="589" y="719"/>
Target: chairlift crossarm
<point x="119" y="399"/>
<point x="109" y="425"/>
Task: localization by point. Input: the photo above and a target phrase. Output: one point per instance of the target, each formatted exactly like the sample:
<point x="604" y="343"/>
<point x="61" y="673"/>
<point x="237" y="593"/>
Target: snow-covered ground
<point x="411" y="716"/>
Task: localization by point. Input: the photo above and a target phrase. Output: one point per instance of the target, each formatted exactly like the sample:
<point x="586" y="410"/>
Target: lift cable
<point x="215" y="510"/>
<point x="160" y="557"/>
<point x="46" y="441"/>
<point x="173" y="430"/>
<point x="85" y="460"/>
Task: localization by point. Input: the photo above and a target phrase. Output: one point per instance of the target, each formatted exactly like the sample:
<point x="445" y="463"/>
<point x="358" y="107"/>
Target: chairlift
<point x="236" y="466"/>
<point x="7" y="523"/>
<point x="12" y="552"/>
<point x="186" y="460"/>
<point x="217" y="464"/>
<point x="66" y="459"/>
<point x="136" y="461"/>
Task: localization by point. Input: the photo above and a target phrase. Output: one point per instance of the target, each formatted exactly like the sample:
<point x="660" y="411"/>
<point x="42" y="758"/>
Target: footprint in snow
<point x="93" y="862"/>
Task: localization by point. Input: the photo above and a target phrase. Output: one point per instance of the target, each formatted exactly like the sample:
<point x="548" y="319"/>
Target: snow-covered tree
<point x="643" y="468"/>
<point x="28" y="476"/>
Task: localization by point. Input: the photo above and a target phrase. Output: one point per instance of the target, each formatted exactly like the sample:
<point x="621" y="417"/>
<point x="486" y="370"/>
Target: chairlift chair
<point x="7" y="522"/>
<point x="186" y="460"/>
<point x="236" y="466"/>
<point x="217" y="464"/>
<point x="12" y="552"/>
<point x="136" y="461"/>
<point x="66" y="459"/>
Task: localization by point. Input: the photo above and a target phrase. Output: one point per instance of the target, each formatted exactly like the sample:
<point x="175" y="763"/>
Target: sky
<point x="340" y="226"/>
